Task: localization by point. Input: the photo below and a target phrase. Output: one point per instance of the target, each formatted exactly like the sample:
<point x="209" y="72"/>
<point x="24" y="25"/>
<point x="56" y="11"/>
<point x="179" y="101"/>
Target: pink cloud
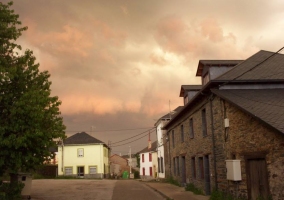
<point x="158" y="60"/>
<point x="211" y="29"/>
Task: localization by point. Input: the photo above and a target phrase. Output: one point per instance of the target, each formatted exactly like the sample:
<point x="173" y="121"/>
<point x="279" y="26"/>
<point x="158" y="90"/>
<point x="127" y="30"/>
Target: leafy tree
<point x="29" y="117"/>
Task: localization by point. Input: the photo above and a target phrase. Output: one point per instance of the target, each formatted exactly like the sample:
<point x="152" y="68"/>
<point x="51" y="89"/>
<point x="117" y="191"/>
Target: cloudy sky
<point x="116" y="65"/>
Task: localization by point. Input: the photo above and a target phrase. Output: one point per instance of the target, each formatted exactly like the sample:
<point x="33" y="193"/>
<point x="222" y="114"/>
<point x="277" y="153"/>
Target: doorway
<point x="183" y="170"/>
<point x="80" y="171"/>
<point x="207" y="175"/>
<point x="257" y="179"/>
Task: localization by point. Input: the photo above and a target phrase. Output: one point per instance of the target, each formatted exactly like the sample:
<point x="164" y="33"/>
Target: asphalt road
<point x="76" y="189"/>
<point x="134" y="190"/>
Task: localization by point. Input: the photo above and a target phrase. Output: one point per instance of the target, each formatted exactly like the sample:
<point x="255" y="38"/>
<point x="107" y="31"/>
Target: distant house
<point x="230" y="135"/>
<point x="161" y="140"/>
<point x="118" y="164"/>
<point x="148" y="161"/>
<point x="132" y="161"/>
<point x="82" y="155"/>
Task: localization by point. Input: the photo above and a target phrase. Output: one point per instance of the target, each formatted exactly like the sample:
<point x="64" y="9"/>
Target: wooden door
<point x="257" y="179"/>
<point x="207" y="175"/>
<point x="183" y="170"/>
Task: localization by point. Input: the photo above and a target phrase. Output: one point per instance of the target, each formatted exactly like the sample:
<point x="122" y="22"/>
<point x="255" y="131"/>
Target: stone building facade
<point x="235" y="117"/>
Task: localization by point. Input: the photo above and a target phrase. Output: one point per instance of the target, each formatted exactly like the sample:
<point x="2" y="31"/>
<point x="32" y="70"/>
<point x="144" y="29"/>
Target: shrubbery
<point x="11" y="191"/>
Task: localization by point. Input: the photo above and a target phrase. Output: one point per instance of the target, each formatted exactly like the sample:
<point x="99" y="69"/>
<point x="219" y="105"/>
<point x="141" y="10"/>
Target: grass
<point x="173" y="181"/>
<point x="191" y="187"/>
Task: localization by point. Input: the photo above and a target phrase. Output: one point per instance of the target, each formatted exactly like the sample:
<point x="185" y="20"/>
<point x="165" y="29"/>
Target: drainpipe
<point x="213" y="141"/>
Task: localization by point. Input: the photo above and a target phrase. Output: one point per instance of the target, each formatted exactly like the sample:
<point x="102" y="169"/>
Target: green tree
<point x="29" y="117"/>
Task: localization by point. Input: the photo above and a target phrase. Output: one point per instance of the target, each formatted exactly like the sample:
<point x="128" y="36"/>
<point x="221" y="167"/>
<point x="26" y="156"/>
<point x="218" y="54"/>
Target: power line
<point x="150" y="130"/>
<point x="259" y="63"/>
<point x="130" y="142"/>
<point x="112" y="130"/>
<point x="253" y="67"/>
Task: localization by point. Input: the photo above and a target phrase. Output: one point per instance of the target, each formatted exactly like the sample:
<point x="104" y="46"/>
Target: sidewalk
<point x="174" y="192"/>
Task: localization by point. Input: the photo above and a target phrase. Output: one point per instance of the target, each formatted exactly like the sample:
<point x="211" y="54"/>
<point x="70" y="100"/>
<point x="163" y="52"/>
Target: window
<point x="181" y="134"/>
<point x="204" y="123"/>
<point x="80" y="152"/>
<point x="185" y="100"/>
<point x="68" y="171"/>
<point x="177" y="159"/>
<point x="193" y="169"/>
<point x="205" y="79"/>
<point x="173" y="138"/>
<point x="150" y="157"/>
<point x="92" y="170"/>
<point x="174" y="162"/>
<point x="142" y="157"/>
<point x="159" y="165"/>
<point x="162" y="164"/>
<point x="201" y="168"/>
<point x="150" y="169"/>
<point x="191" y="132"/>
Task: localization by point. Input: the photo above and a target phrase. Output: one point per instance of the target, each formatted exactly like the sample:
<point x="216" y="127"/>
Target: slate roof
<point x="82" y="138"/>
<point x="262" y="66"/>
<point x="153" y="148"/>
<point x="264" y="104"/>
<point x="189" y="88"/>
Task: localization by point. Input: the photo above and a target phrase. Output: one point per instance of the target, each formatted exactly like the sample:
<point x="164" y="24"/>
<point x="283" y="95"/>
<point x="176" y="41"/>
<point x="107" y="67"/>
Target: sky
<point x="118" y="65"/>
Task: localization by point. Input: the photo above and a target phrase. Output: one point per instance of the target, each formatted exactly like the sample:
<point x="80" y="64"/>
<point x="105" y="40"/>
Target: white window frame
<point x="80" y="152"/>
<point x="68" y="171"/>
<point x="94" y="167"/>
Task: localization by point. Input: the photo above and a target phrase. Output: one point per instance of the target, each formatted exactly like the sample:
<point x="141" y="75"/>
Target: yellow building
<point x="84" y="156"/>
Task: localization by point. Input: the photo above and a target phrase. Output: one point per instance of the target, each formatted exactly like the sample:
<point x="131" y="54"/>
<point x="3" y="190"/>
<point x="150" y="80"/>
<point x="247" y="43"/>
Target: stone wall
<point x="245" y="136"/>
<point x="249" y="136"/>
<point x="196" y="147"/>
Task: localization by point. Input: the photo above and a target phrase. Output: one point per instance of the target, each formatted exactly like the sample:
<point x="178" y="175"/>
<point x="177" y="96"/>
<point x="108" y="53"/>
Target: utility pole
<point x="130" y="159"/>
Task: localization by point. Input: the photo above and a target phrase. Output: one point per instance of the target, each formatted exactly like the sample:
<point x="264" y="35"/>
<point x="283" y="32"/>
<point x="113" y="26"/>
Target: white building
<point x="161" y="134"/>
<point x="148" y="162"/>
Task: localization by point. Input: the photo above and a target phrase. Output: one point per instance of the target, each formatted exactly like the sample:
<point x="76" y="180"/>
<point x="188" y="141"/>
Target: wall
<point x="146" y="164"/>
<point x="160" y="150"/>
<point x="197" y="147"/>
<point x="248" y="136"/>
<point x="93" y="156"/>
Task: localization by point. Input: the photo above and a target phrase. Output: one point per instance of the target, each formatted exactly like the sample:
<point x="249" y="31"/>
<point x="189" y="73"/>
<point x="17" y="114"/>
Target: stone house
<point x="230" y="135"/>
<point x="84" y="156"/>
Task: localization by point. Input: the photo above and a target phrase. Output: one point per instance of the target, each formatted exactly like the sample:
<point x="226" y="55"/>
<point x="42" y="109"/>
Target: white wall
<point x="160" y="150"/>
<point x="146" y="164"/>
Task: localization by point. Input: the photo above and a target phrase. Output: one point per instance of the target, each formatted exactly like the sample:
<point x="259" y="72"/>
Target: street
<point x="74" y="189"/>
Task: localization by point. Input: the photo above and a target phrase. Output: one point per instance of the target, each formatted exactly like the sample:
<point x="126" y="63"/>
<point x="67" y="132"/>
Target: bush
<point x="191" y="187"/>
<point x="11" y="191"/>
